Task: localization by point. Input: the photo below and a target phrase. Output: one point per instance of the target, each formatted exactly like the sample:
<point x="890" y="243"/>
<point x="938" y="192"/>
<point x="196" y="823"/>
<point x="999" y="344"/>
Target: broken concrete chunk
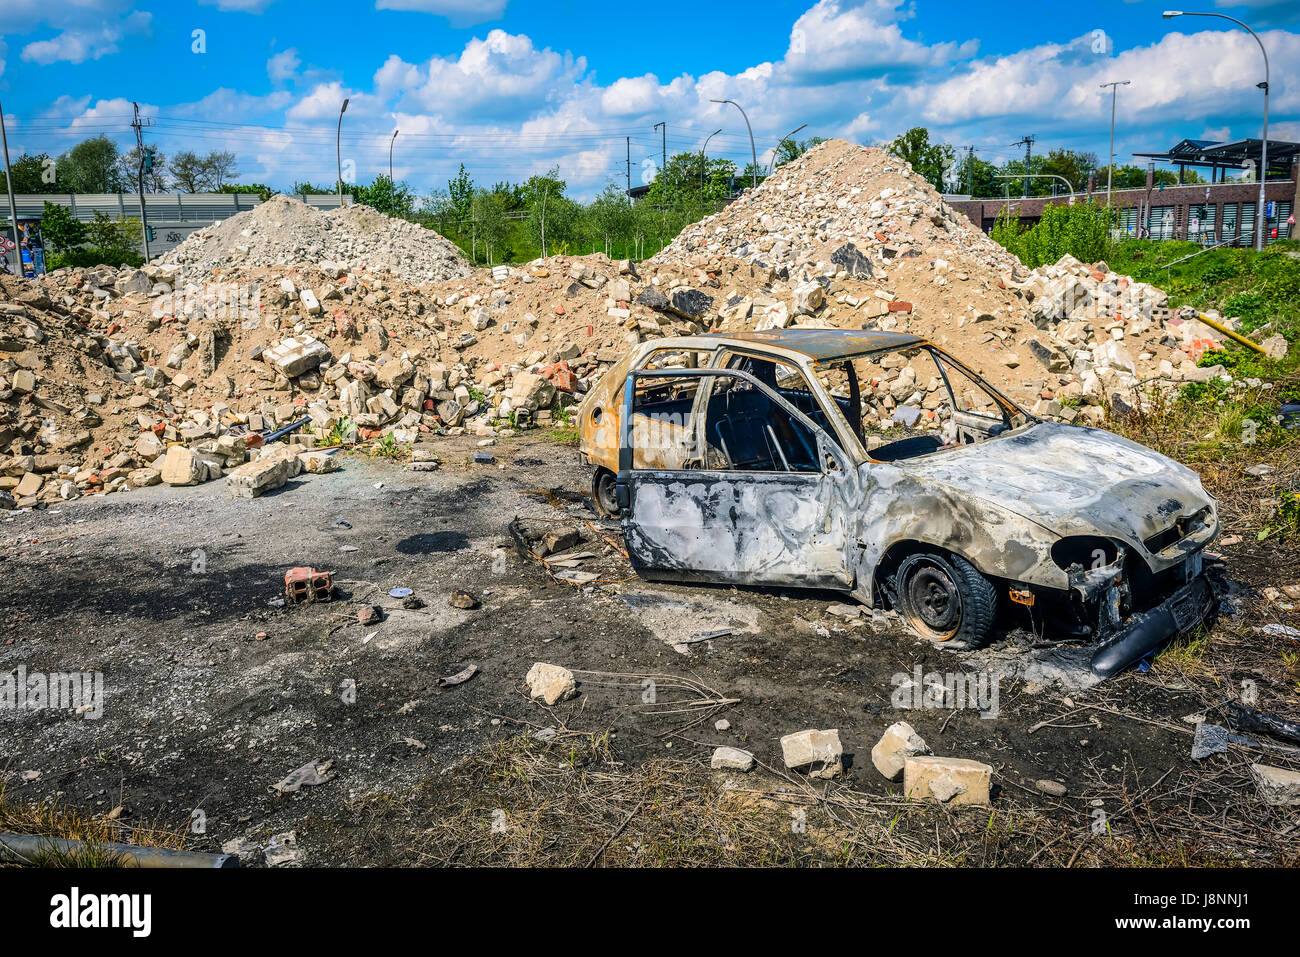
<point x="257" y="477"/>
<point x="551" y="683"/>
<point x="947" y="780"/>
<point x="181" y="466"/>
<point x="295" y="355"/>
<point x="899" y="742"/>
<point x="1277" y="786"/>
<point x="731" y="759"/>
<point x="818" y="754"/>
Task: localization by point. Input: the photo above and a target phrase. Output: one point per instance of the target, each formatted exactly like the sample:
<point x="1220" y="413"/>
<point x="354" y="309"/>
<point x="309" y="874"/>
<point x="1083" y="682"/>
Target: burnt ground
<point x="212" y="695"/>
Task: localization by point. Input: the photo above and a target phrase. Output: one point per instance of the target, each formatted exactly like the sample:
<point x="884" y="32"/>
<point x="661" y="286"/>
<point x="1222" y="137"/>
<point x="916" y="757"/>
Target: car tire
<point x="946" y="599"/>
<point x="602" y="493"/>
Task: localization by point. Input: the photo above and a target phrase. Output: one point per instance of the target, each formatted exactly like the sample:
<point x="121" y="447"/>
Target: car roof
<point x="819" y="345"/>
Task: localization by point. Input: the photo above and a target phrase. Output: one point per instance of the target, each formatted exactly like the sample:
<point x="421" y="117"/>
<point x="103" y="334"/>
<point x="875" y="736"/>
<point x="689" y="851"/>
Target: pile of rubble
<point x="118" y="379"/>
<point x="284" y="329"/>
<point x="285" y="230"/>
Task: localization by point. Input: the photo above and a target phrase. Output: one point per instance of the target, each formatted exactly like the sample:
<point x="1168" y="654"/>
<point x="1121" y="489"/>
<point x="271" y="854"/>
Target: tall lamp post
<point x="702" y="149"/>
<point x="390" y="155"/>
<point x="13" y="209"/>
<point x="1110" y="161"/>
<point x="1262" y="206"/>
<point x="772" y="165"/>
<point x="752" y="152"/>
<point x="338" y="149"/>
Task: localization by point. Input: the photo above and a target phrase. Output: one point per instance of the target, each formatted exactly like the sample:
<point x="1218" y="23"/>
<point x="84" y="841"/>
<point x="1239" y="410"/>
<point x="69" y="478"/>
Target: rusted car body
<point x="762" y="459"/>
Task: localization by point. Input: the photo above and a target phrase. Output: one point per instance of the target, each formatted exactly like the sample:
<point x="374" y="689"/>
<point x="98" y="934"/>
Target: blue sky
<point x="511" y="87"/>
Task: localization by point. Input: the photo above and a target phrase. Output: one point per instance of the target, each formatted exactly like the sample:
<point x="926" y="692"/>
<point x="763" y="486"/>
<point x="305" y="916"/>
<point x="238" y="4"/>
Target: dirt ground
<point x="212" y="695"/>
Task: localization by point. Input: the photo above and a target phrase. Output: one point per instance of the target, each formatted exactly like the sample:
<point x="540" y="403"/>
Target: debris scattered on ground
<point x="947" y="780"/>
<point x="1276" y="786"/>
<point x="1051" y="788"/>
<point x="818" y="754"/>
<point x="306" y="584"/>
<point x="459" y="678"/>
<point x="551" y="683"/>
<point x="309" y="775"/>
<point x="462" y="599"/>
<point x="731" y="759"/>
<point x="899" y="742"/>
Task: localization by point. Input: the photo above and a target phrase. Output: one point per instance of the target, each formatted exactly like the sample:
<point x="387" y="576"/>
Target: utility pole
<point x="970" y="171"/>
<point x="338" y="149"/>
<point x="629" y="166"/>
<point x="752" y="152"/>
<point x="1028" y="143"/>
<point x="390" y="155"/>
<point x="138" y="125"/>
<point x="663" y="162"/>
<point x="1110" y="160"/>
<point x="13" y="209"/>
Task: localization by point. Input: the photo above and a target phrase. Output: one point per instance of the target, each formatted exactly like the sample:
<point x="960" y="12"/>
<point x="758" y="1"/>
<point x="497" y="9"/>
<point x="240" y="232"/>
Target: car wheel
<point x="602" y="493"/>
<point x="945" y="599"/>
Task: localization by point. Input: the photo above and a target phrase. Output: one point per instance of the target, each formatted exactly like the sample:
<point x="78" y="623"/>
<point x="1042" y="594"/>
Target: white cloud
<point x="500" y="74"/>
<point x="77" y="46"/>
<point x="835" y="38"/>
<point x="283" y="65"/>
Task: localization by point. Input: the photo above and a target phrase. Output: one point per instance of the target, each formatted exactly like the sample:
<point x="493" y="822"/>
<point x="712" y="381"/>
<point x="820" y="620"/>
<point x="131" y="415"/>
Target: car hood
<point x="1071" y="480"/>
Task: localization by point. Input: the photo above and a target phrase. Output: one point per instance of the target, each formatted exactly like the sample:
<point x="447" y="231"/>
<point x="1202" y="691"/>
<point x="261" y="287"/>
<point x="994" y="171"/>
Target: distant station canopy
<point x="1219" y="158"/>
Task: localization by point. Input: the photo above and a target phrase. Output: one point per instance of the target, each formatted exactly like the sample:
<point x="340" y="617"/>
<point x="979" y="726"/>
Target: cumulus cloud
<point x="283" y="65"/>
<point x="77" y="46"/>
<point x="837" y="38"/>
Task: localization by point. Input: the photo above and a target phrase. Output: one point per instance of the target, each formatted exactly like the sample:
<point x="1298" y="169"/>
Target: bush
<point x="90" y="256"/>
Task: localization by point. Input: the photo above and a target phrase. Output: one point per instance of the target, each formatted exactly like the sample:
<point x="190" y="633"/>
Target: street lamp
<point x="13" y="210"/>
<point x="390" y="155"/>
<point x="1110" y="162"/>
<point x="772" y="165"/>
<point x="702" y="149"/>
<point x="1263" y="159"/>
<point x="752" y="152"/>
<point x="338" y="150"/>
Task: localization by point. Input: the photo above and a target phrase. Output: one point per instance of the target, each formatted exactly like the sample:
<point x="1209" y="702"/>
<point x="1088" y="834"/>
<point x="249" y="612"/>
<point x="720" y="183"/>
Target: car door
<point x="730" y="484"/>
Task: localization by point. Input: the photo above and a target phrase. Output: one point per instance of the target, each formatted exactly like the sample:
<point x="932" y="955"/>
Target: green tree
<point x="60" y="229"/>
<point x="191" y="172"/>
<point x="791" y="149"/>
<point x="691" y="181"/>
<point x="261" y="189"/>
<point x="34" y="173"/>
<point x="155" y="179"/>
<point x="90" y="167"/>
<point x="461" y="193"/>
<point x="488" y="216"/>
<point x="551" y="216"/>
<point x="929" y="160"/>
<point x="394" y="199"/>
<point x="304" y="188"/>
<point x="1071" y="165"/>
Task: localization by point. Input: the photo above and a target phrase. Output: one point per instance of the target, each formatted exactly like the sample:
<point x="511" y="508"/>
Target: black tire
<point x="946" y="599"/>
<point x="602" y="493"/>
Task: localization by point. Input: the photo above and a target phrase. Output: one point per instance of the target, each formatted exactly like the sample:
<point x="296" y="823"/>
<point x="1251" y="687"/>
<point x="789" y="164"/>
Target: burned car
<point x="877" y="464"/>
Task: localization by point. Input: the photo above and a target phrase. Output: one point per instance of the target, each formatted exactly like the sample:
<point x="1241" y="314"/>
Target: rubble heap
<point x="286" y="230"/>
<point x="185" y="370"/>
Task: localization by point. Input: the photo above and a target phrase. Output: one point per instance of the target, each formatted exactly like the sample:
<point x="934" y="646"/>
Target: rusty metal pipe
<point x="21" y="848"/>
<point x="1234" y="336"/>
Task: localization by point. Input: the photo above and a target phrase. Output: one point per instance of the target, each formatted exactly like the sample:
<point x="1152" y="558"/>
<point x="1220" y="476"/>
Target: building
<point x="173" y="216"/>
<point x="1217" y="212"/>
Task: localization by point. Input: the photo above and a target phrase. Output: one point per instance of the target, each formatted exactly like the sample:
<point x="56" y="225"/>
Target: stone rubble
<point x="285" y="313"/>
